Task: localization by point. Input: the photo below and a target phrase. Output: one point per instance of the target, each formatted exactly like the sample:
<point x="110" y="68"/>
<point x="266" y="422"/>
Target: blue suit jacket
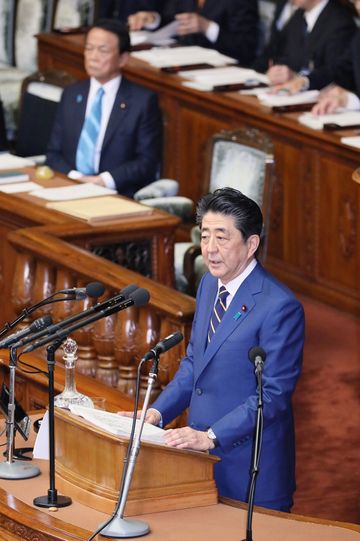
<point x="132" y="142"/>
<point x="218" y="384"/>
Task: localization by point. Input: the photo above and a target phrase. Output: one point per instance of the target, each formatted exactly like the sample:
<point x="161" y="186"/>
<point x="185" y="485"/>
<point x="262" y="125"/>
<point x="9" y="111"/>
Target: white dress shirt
<point x="110" y="91"/>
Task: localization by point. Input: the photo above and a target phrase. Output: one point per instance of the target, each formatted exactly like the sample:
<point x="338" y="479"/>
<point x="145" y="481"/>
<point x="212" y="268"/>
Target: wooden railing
<point x="110" y="349"/>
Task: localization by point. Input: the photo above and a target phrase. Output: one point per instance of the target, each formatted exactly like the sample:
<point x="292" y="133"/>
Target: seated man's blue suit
<point x="217" y="383"/>
<point x="132" y="143"/>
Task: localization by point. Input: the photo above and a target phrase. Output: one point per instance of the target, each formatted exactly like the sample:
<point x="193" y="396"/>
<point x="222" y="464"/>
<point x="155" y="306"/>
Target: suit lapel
<point x="119" y="111"/>
<point x="239" y="310"/>
<point x="79" y="108"/>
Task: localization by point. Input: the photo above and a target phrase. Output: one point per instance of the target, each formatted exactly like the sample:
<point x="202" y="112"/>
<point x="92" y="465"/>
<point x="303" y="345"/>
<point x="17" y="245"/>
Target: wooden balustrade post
<point x="22" y="285"/>
<point x="103" y="338"/>
<point x="125" y="344"/>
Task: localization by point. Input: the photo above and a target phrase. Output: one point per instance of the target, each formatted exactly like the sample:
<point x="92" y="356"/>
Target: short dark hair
<point x="119" y="29"/>
<point x="231" y="202"/>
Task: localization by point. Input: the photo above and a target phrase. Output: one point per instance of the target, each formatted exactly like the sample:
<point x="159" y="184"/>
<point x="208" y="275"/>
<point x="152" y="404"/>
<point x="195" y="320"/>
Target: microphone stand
<point x="257" y="451"/>
<point x="11" y="469"/>
<point x="117" y="526"/>
<point x="52" y="499"/>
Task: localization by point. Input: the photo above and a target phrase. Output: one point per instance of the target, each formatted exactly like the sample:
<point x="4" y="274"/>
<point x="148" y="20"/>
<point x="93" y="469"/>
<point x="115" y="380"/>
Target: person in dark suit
<point x="125" y="151"/>
<point x="314" y="40"/>
<point x="283" y="12"/>
<point x="215" y="379"/>
<point x="122" y="9"/>
<point x="345" y="92"/>
<point x="3" y="137"/>
<point x="229" y="26"/>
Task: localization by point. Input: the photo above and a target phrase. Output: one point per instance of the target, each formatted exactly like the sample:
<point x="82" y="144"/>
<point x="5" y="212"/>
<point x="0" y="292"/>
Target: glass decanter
<point x="70" y="395"/>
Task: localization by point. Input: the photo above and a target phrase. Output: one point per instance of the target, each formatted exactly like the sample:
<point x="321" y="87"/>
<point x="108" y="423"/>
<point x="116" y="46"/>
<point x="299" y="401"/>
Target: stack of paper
<point x="13" y="176"/>
<point x="161" y="57"/>
<point x="207" y="79"/>
<point x="349" y="118"/>
<point x="9" y="161"/>
<point x="19" y="187"/>
<point x="118" y="424"/>
<point x="101" y="209"/>
<point x="70" y="193"/>
<point x="276" y="100"/>
<point x="351" y="141"/>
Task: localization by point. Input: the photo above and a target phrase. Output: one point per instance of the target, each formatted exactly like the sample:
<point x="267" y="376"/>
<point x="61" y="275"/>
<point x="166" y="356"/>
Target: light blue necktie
<point x="218" y="311"/>
<point x="85" y="153"/>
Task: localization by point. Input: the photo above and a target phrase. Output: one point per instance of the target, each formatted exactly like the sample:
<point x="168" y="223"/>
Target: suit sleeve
<point x="54" y="156"/>
<point x="281" y="336"/>
<point x="345" y="69"/>
<point x="142" y="168"/>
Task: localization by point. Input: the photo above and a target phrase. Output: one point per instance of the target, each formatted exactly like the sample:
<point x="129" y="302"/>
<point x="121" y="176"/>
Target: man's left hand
<point x="191" y="23"/>
<point x="294" y="86"/>
<point x="94" y="179"/>
<point x="188" y="438"/>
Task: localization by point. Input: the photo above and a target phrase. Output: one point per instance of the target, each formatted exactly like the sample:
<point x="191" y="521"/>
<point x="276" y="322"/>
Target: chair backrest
<point x="72" y="13"/>
<point x="29" y="21"/>
<point x="243" y="159"/>
<point x="40" y="93"/>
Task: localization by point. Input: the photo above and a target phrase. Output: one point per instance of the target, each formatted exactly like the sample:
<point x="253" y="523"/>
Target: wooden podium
<point x="89" y="464"/>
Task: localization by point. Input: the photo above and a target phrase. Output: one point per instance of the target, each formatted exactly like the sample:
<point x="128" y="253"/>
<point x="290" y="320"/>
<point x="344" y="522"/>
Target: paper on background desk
<point x="348" y="118"/>
<point x="163" y="36"/>
<point x="206" y="79"/>
<point x="275" y="100"/>
<point x="118" y="424"/>
<point x="9" y="161"/>
<point x="351" y="141"/>
<point x="70" y="193"/>
<point x="19" y="187"/>
<point x="161" y="57"/>
<point x="41" y="446"/>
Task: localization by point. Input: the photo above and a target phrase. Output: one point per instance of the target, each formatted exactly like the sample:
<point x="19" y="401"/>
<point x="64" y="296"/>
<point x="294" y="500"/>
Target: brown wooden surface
<point x="315" y="229"/>
<point x="164" y="478"/>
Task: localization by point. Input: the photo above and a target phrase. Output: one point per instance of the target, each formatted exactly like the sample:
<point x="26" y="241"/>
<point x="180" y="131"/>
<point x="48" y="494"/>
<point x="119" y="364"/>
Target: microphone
<point x="94" y="289"/>
<point x="257" y="356"/>
<point x="164" y="345"/>
<point x="139" y="298"/>
<point x="36" y="326"/>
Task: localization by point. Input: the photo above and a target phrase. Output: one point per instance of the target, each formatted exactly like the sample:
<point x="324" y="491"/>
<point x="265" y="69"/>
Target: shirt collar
<point x="312" y="15"/>
<point x="234" y="284"/>
<point x="109" y="87"/>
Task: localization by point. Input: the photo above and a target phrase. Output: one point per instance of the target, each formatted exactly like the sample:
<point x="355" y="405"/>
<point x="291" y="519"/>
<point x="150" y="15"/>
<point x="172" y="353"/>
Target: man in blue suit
<point x="125" y="142"/>
<point x="216" y="380"/>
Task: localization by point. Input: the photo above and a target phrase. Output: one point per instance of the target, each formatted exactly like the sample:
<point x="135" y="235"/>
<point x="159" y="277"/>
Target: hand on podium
<point x="153" y="416"/>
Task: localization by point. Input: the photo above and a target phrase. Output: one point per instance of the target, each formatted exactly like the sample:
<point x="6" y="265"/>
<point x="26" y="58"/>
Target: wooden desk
<point x="142" y="243"/>
<point x="314" y="236"/>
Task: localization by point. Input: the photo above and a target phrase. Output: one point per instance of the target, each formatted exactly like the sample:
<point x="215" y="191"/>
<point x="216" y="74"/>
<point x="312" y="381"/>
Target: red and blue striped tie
<point x="218" y="312"/>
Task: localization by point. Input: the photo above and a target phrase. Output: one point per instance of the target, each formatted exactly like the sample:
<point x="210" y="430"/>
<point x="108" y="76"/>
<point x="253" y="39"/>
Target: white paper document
<point x="207" y="79"/>
<point x="9" y="161"/>
<point x="348" y="118"/>
<point x="70" y="193"/>
<point x="19" y="187"/>
<point x="276" y="100"/>
<point x="163" y="36"/>
<point x="118" y="424"/>
<point x="161" y="57"/>
<point x="351" y="141"/>
<point x="41" y="447"/>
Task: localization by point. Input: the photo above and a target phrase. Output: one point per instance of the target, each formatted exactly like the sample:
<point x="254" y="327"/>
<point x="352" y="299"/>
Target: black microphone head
<point x="169" y="342"/>
<point x="140" y="297"/>
<point x="126" y="291"/>
<point x="41" y="323"/>
<point x="256" y="351"/>
<point x="95" y="289"/>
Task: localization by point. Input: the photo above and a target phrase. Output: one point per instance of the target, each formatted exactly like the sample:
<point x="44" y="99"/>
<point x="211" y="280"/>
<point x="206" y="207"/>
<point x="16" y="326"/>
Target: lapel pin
<point x="122" y="105"/>
<point x="79" y="98"/>
<point x="244" y="308"/>
<point x="237" y="315"/>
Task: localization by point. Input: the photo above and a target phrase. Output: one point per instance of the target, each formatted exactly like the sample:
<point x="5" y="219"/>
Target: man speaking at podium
<point x="239" y="305"/>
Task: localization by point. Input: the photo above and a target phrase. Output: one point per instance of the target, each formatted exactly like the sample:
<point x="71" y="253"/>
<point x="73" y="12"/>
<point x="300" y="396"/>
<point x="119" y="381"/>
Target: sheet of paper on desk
<point x="163" y="36"/>
<point x="9" y="161"/>
<point x="41" y="447"/>
<point x="118" y="424"/>
<point x="348" y="118"/>
<point x="351" y="141"/>
<point x="70" y="193"/>
<point x="275" y="100"/>
<point x="19" y="187"/>
<point x="206" y="79"/>
<point x="179" y="56"/>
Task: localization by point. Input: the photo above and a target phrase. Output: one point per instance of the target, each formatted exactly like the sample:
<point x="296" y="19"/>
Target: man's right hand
<point x="152" y="415"/>
<point x="141" y="19"/>
<point x="331" y="100"/>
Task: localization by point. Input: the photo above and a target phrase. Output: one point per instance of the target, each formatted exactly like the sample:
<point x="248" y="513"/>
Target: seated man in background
<point x="314" y="39"/>
<point x="345" y="92"/>
<point x="229" y="26"/>
<point x="283" y="12"/>
<point x="107" y="129"/>
<point x="122" y="9"/>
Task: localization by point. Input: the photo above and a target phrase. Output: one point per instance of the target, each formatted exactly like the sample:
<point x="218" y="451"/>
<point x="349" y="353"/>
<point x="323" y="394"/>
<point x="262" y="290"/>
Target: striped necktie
<point x="85" y="153"/>
<point x="218" y="312"/>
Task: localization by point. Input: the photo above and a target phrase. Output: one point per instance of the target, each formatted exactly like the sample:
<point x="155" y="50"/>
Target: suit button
<point x="199" y="391"/>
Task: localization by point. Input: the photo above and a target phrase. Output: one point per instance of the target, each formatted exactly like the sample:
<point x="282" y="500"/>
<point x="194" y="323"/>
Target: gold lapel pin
<point x="122" y="105"/>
